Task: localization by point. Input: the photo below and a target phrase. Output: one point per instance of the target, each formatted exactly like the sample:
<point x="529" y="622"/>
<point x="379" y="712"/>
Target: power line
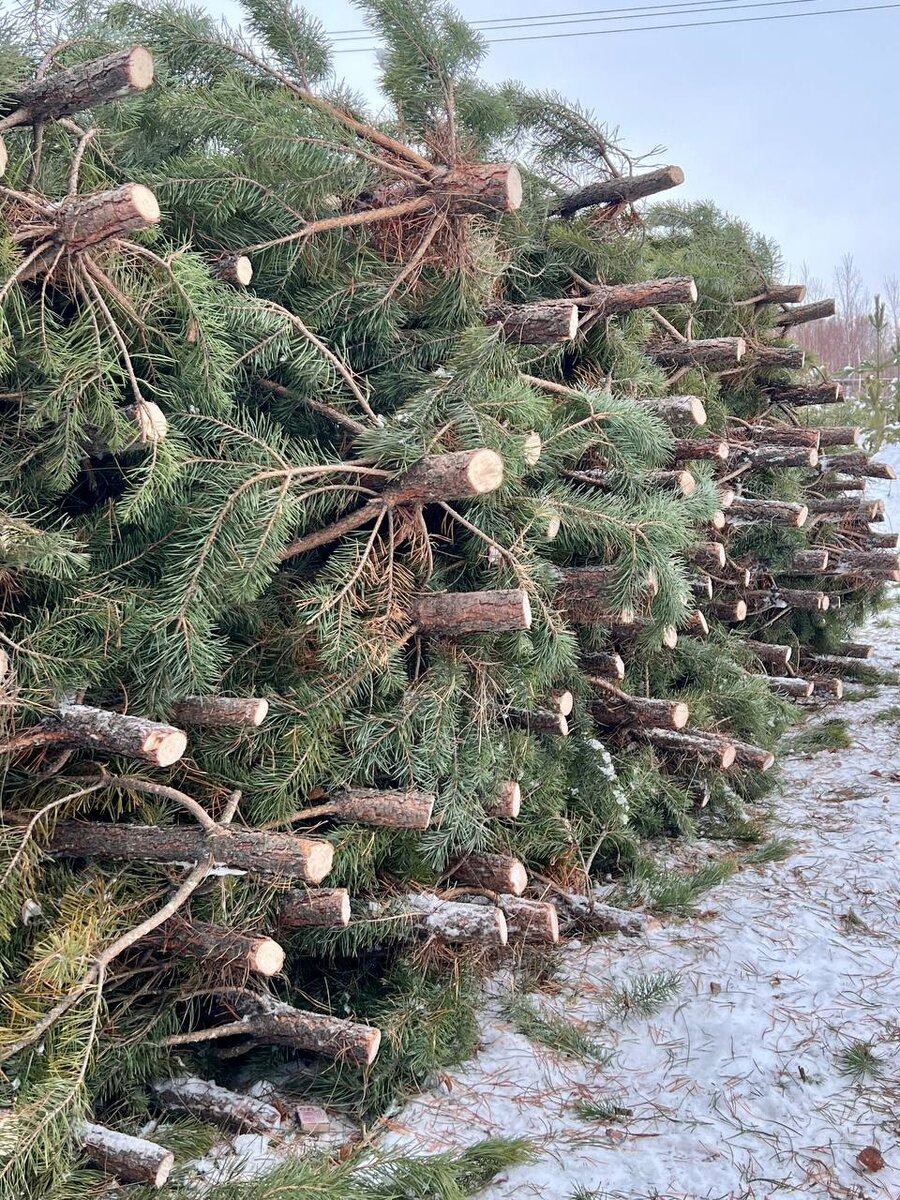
<point x="540" y="37"/>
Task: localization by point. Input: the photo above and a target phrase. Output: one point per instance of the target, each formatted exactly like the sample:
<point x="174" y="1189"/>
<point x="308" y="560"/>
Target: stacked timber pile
<point x="372" y="565"/>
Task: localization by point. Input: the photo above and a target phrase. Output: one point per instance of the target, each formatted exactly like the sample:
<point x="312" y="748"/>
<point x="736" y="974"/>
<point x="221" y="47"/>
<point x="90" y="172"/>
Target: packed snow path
<point x="737" y="1088"/>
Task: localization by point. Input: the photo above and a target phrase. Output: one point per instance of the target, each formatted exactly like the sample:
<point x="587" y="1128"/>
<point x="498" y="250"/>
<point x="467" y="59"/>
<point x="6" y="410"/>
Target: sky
<point x="792" y="125"/>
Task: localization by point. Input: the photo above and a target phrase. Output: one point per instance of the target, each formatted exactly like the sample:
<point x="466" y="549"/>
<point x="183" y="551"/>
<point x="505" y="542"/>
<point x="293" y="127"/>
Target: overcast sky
<point x="793" y="125"/>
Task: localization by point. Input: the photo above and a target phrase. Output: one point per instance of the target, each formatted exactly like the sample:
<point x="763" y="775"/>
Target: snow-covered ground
<point x="738" y="1087"/>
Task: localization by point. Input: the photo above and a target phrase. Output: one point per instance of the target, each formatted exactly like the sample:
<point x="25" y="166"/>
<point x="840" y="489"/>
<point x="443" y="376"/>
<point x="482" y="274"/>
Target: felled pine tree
<point x="318" y="584"/>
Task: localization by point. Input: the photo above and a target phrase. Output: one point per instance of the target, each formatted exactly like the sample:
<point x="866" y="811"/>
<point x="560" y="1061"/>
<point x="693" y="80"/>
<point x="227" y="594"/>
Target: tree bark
<point x="625" y="190"/>
<point x="217" y="1105"/>
<point x="884" y="541"/>
<point x="592" y="583"/>
<point x="777" y="435"/>
<point x="786" y="685"/>
<point x="803" y="395"/>
<point x="507" y="804"/>
<point x="837" y="487"/>
<point x="640" y="710"/>
<point x="236" y="269"/>
<point x="113" y="77"/>
<point x="858" y="465"/>
<point x="853" y="561"/>
<point x="767" y="458"/>
<point x="827" y="685"/>
<point x="849" y="506"/>
<point x="839" y="435"/>
<point x="854" y="650"/>
<point x="805" y="313"/>
<point x="114" y="733"/>
<point x="218" y="944"/>
<point x="530" y="921"/>
<point x="315" y="908"/>
<point x="459" y="924"/>
<point x="85" y="221"/>
<point x="603" y="665"/>
<point x="282" y="855"/>
<point x="716" y="354"/>
<point x="779" y="512"/>
<point x="604" y="918"/>
<point x="389" y="809"/>
<point x="788" y="358"/>
<point x="270" y="1021"/>
<point x="677" y="411"/>
<point x="809" y="601"/>
<point x="456" y="613"/>
<point x="538" y="720"/>
<point x="708" y="749"/>
<point x="540" y="324"/>
<point x="132" y="1159"/>
<point x="729" y="610"/>
<point x="479" y="188"/>
<point x="668" y="634"/>
<point x="784" y="293"/>
<point x="682" y="482"/>
<point x="455" y="476"/>
<point x="708" y="555"/>
<point x="221" y="712"/>
<point x="771" y="653"/>
<point x="697" y="625"/>
<point x="849" y="668"/>
<point x="802" y="562"/>
<point x="753" y="757"/>
<point x="495" y="872"/>
<point x="696" y="449"/>
<point x="609" y="299"/>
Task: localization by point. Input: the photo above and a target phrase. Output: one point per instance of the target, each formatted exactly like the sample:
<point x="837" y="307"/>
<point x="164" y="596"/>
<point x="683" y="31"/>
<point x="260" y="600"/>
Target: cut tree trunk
<point x="668" y="634"/>
<point x="827" y="685"/>
<point x="697" y="625"/>
<point x="856" y="561"/>
<point x="858" y="465"/>
<point x="639" y="710"/>
<point x="836" y="487"/>
<point x="530" y="921"/>
<point x="854" y="650"/>
<point x="532" y="448"/>
<point x="218" y="944"/>
<point x="455" y="923"/>
<point x="805" y="313"/>
<point x="753" y="757"/>
<point x="85" y="221"/>
<point x="760" y="599"/>
<point x="257" y="852"/>
<point x="785" y="293"/>
<point x="606" y="666"/>
<point x="269" y="1020"/>
<point x="716" y="354"/>
<point x="609" y="299"/>
<point x="801" y="395"/>
<point x="457" y="613"/>
<point x="507" y="804"/>
<point x="540" y="324"/>
<point x="114" y="733"/>
<point x="772" y="654"/>
<point x="702" y="585"/>
<point x="867" y="510"/>
<point x="766" y="458"/>
<point x="317" y="908"/>
<point x="594" y="583"/>
<point x="778" y="435"/>
<point x="132" y="1159"/>
<point x="217" y="1105"/>
<point x="840" y="435"/>
<point x="495" y="872"/>
<point x="802" y="562"/>
<point x="479" y="188"/>
<point x="787" y="358"/>
<point x="696" y="449"/>
<point x="390" y="809"/>
<point x="849" y="668"/>
<point x="708" y="555"/>
<point x="113" y="77"/>
<point x="729" y="610"/>
<point x="882" y="541"/>
<point x="708" y="749"/>
<point x="625" y="190"/>
<point x="538" y="720"/>
<point x="785" y="685"/>
<point x="677" y="410"/>
<point x="221" y="712"/>
<point x="236" y="269"/>
<point x="779" y="512"/>
<point x="455" y="476"/>
<point x="682" y="482"/>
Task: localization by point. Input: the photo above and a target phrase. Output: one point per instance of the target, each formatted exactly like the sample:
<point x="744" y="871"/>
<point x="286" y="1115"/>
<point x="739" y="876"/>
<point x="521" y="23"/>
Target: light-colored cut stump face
<point x="164" y="1170"/>
<point x="140" y="68"/>
<point x="553" y="923"/>
<point x="740" y="349"/>
<point x="518" y="879"/>
<point x="692" y="293"/>
<point x="552" y="528"/>
<point x="243" y="270"/>
<point x="485" y="472"/>
<point x="573" y="322"/>
<point x="4" y="157"/>
<point x="531" y="447"/>
<point x="698" y="411"/>
<point x="319" y="860"/>
<point x="729" y="754"/>
<point x="511" y="800"/>
<point x="740" y="610"/>
<point x="565" y="702"/>
<point x="526" y="610"/>
<point x="563" y="726"/>
<point x="670" y="636"/>
<point x="700" y="623"/>
<point x="802" y="516"/>
<point x="343" y="916"/>
<point x="718" y="520"/>
<point x="676" y="175"/>
<point x="513" y="188"/>
<point x="680" y="715"/>
<point x="144" y="203"/>
<point x="825" y="604"/>
<point x="373" y="1045"/>
<point x="767" y="763"/>
<point x="653" y="581"/>
<point x="687" y="484"/>
<point x="165" y="746"/>
<point x="268" y="958"/>
<point x="260" y="712"/>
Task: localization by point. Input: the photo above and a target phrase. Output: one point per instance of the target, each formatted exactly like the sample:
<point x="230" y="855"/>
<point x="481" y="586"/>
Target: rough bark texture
<point x="854" y="650"/>
<point x="115" y="733"/>
<point x="805" y="313"/>
<point x="777" y="435"/>
<point x="538" y="720"/>
<point x="779" y="512"/>
<point x="788" y="358"/>
<point x="836" y="487"/>
<point x="479" y="188"/>
<point x="827" y="685"/>
<point x="849" y="668"/>
<point x="886" y="541"/>
<point x="235" y="269"/>
<point x="639" y="710"/>
<point x="803" y="562"/>
<point x="766" y="458"/>
<point x="709" y="555"/>
<point x="589" y="583"/>
<point x="668" y="634"/>
<point x="605" y="666"/>
<point x="708" y="749"/>
<point x="786" y="685"/>
<point x="208" y="1102"/>
<point x="607" y="299"/>
<point x="270" y="1021"/>
<point x="495" y="872"/>
<point x="716" y="354"/>
<point x="260" y="853"/>
<point x="678" y="411"/>
<point x="729" y="610"/>
<point x="804" y="395"/>
<point x="132" y="1159"/>
<point x="697" y="449"/>
<point x="391" y="809"/>
<point x="753" y="757"/>
<point x="849" y="506"/>
<point x="809" y="601"/>
<point x="317" y="908"/>
<point x="619" y="191"/>
<point x="221" y="712"/>
<point x="459" y="924"/>
<point x="697" y="624"/>
<point x="533" y="921"/>
<point x="113" y="77"/>
<point x="770" y="653"/>
<point x="859" y="465"/>
<point x="849" y="561"/>
<point x="541" y="324"/>
<point x="507" y="804"/>
<point x="840" y="435"/>
<point x="785" y="293"/>
<point x="84" y="221"/>
<point x="682" y="482"/>
<point x="454" y="476"/>
<point x="457" y="613"/>
<point x="218" y="944"/>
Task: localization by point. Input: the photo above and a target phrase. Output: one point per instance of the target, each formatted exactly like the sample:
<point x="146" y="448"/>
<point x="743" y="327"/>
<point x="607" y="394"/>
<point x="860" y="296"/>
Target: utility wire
<point x="540" y="37"/>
